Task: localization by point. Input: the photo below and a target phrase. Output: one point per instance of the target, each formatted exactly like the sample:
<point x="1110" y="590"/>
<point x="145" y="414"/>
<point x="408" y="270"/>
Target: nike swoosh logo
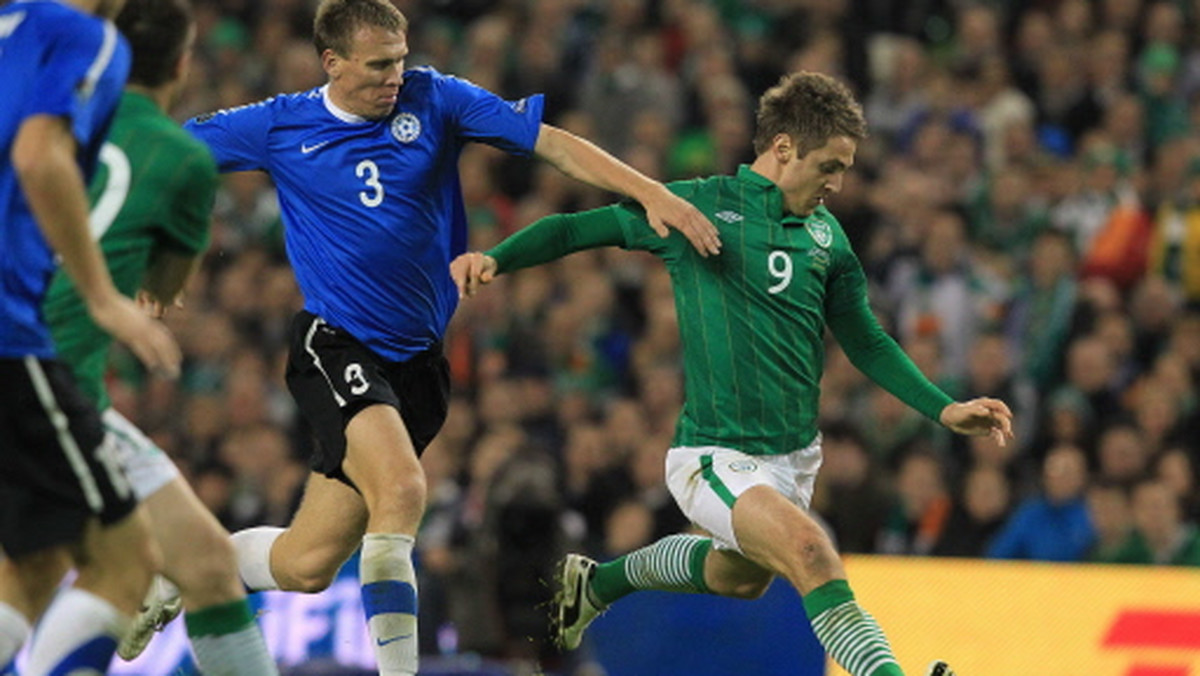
<point x="384" y="641"/>
<point x="306" y="148"/>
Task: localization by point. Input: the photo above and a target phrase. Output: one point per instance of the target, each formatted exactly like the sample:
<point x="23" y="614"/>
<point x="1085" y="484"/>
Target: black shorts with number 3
<point x="332" y="376"/>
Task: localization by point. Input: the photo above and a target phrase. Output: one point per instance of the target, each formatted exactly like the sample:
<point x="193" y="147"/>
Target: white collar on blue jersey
<point x="343" y="115"/>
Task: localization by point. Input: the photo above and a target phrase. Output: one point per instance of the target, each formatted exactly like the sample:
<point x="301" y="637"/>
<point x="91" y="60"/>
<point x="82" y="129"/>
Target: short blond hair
<point x="337" y="21"/>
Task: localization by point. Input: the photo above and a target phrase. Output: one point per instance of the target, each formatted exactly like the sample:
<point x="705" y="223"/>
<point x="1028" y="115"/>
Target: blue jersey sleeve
<point x="79" y="52"/>
<point x="479" y="115"/>
<point x="238" y="136"/>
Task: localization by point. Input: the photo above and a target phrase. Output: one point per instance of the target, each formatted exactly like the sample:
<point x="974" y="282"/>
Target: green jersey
<point x="752" y="319"/>
<point x="154" y="191"/>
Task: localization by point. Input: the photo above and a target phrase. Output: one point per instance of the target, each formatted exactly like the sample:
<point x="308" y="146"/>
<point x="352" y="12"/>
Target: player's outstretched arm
<point x="43" y="155"/>
<point x="979" y="417"/>
<point x="587" y="162"/>
<point x="542" y="241"/>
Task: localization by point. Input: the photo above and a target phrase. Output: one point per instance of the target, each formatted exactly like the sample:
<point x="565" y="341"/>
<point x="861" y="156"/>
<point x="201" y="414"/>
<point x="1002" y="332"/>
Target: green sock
<point x="674" y="563"/>
<point x="227" y="642"/>
<point x="849" y="634"/>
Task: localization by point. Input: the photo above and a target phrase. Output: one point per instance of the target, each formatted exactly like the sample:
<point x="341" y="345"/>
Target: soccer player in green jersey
<point x="747" y="449"/>
<point x="150" y="210"/>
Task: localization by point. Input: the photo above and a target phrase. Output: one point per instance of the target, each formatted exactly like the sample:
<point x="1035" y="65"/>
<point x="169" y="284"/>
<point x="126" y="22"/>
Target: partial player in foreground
<point x="747" y="449"/>
<point x="63" y="500"/>
<point x="151" y="202"/>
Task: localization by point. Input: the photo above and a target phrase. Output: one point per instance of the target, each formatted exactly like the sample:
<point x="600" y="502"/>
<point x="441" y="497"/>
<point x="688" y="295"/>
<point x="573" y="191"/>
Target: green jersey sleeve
<point x="555" y="236"/>
<point x="641" y="237"/>
<point x="871" y="350"/>
<point x="559" y="235"/>
<point x="194" y="187"/>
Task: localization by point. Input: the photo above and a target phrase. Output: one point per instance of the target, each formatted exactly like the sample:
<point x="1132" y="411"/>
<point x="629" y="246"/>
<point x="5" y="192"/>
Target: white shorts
<point x="707" y="480"/>
<point x="145" y="465"/>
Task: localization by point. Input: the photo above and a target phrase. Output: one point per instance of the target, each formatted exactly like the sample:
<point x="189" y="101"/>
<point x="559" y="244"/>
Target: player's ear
<point x="783" y="147"/>
<point x="182" y="66"/>
<point x="331" y="62"/>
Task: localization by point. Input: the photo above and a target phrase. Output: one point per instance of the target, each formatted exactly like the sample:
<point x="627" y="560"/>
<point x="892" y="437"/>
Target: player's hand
<point x="153" y="306"/>
<point x="149" y="340"/>
<point x="666" y="209"/>
<point x="471" y="270"/>
<point x="979" y="417"/>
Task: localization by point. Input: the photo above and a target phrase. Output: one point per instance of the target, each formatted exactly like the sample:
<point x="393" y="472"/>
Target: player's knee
<point x="311" y="571"/>
<point x="405" y="495"/>
<point x="311" y="579"/>
<point x="811" y="554"/>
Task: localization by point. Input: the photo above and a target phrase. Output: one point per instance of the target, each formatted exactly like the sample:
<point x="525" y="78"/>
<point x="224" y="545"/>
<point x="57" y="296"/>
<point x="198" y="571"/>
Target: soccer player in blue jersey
<point x="366" y="171"/>
<point x="63" y="66"/>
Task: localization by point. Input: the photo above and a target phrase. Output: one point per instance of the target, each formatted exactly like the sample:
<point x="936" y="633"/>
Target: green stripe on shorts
<point x="718" y="486"/>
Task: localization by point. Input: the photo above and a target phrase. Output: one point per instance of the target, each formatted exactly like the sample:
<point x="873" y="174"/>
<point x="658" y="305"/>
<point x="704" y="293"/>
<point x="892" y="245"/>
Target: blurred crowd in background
<point x="1027" y="210"/>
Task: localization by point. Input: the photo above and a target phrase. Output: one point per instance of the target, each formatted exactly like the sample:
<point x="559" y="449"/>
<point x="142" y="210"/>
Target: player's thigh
<point x="327" y="528"/>
<point x="779" y="535"/>
<point x="707" y="481"/>
<point x="145" y="465"/>
<point x="197" y="553"/>
<point x="339" y="385"/>
<point x="380" y="457"/>
<point x="384" y="442"/>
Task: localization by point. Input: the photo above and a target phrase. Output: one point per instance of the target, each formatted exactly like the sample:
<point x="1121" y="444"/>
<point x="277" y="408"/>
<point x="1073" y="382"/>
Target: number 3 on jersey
<point x="368" y="171"/>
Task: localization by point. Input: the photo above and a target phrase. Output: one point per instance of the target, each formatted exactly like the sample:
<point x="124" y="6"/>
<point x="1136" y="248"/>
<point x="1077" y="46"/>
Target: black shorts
<point x="332" y="376"/>
<point x="57" y="469"/>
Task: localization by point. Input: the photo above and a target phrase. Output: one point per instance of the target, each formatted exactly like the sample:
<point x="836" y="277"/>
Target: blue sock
<point x="389" y="592"/>
<point x="78" y="633"/>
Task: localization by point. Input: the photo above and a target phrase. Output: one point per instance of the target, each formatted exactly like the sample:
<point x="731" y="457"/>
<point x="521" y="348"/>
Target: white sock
<point x="78" y="634"/>
<point x="389" y="591"/>
<point x="14" y="631"/>
<point x="227" y="642"/>
<point x="253" y="549"/>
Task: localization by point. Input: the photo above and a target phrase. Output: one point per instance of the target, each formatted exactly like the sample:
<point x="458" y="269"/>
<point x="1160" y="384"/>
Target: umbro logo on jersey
<point x="730" y="216"/>
<point x="307" y="148"/>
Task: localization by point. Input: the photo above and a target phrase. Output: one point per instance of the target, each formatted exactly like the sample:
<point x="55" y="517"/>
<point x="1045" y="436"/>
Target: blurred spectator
<point x="1121" y="453"/>
<point x="1041" y="309"/>
<point x="1111" y="517"/>
<point x="850" y="494"/>
<point x="977" y="515"/>
<point x="919" y="516"/>
<point x="1052" y="525"/>
<point x="1177" y="468"/>
<point x="1160" y="535"/>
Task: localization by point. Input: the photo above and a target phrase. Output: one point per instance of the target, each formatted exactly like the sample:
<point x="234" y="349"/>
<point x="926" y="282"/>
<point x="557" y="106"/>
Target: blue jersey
<point x="54" y="60"/>
<point x="372" y="209"/>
